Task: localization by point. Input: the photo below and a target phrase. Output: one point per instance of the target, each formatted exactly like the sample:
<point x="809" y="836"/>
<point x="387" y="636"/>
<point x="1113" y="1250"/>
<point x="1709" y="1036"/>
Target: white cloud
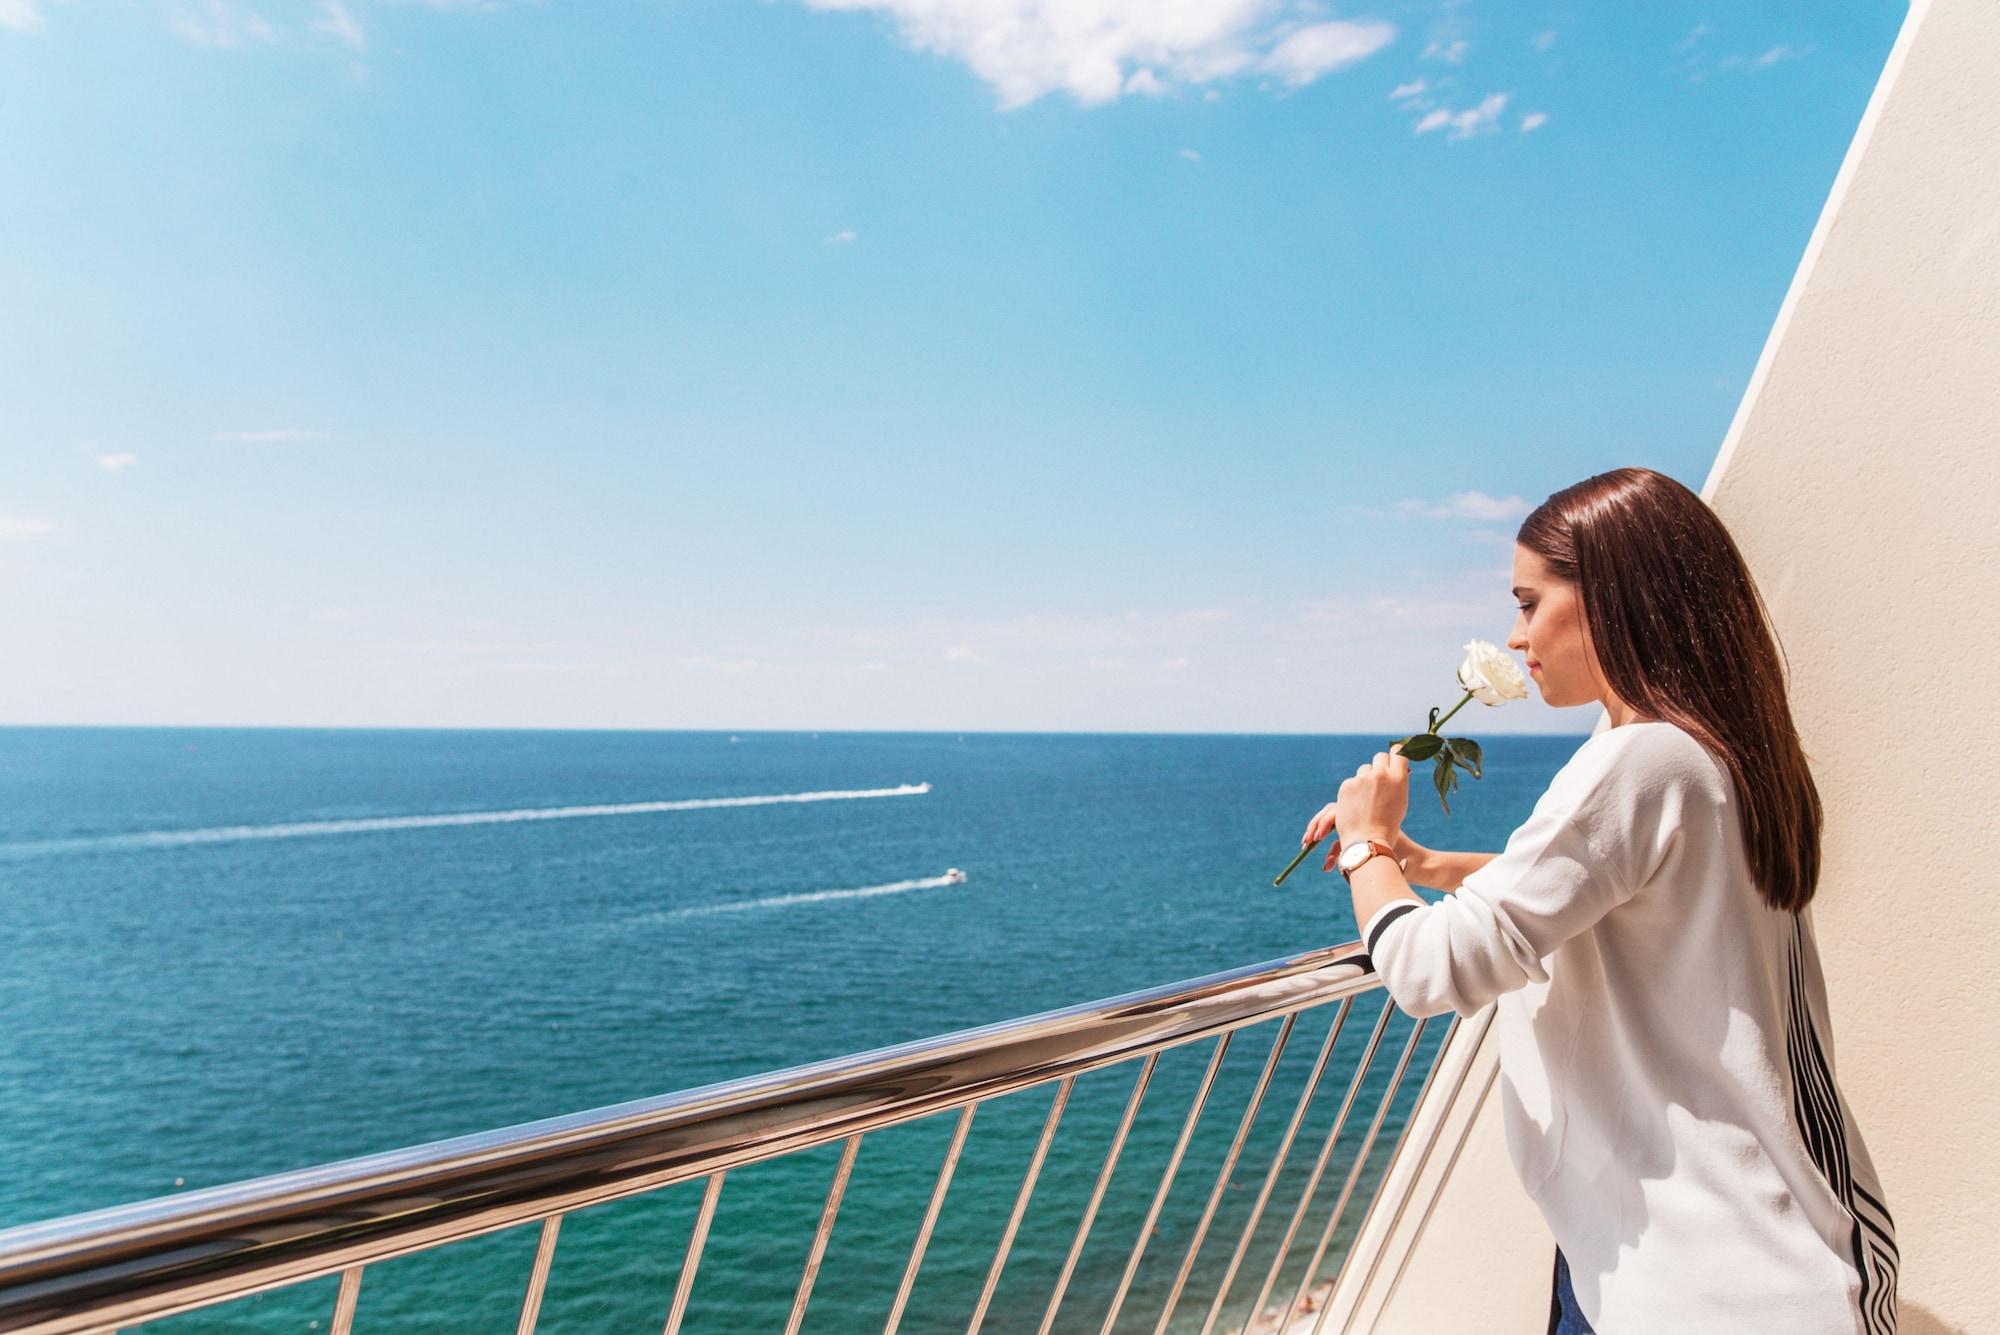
<point x="336" y="22"/>
<point x="284" y="435"/>
<point x="1451" y="52"/>
<point x="20" y="15"/>
<point x="1534" y="121"/>
<point x="1174" y="664"/>
<point x="1778" y="55"/>
<point x="1098" y="50"/>
<point x="731" y="667"/>
<point x="1288" y="666"/>
<point x="846" y="236"/>
<point x="1414" y="88"/>
<point x="219" y="24"/>
<point x="1699" y="65"/>
<point x="1305" y="54"/>
<point x="1105" y="642"/>
<point x="117" y="463"/>
<point x="1190" y="155"/>
<point x="541" y="667"/>
<point x="1545" y="39"/>
<point x="19" y="528"/>
<point x="1468" y="505"/>
<point x="1482" y="119"/>
<point x="1427" y="608"/>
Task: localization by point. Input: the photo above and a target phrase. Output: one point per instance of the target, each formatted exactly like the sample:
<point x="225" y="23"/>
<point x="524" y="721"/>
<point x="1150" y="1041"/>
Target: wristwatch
<point x="1353" y="855"/>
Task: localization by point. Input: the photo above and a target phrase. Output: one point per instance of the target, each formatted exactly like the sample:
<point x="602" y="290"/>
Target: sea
<point x="230" y="953"/>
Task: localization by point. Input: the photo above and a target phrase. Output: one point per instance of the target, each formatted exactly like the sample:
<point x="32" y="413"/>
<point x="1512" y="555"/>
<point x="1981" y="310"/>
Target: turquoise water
<point x="334" y="965"/>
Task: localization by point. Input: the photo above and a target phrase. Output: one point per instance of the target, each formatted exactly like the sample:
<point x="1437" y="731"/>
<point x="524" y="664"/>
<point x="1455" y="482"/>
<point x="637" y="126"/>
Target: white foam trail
<point x="305" y="829"/>
<point x="807" y="897"/>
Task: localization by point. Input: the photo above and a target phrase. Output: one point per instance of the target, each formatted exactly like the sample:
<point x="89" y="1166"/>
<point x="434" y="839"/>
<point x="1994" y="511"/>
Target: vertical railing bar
<point x="1277" y="1166"/>
<point x="1056" y="1106"/>
<point x="1325" y="1156"/>
<point x="1360" y="1164"/>
<point x="1132" y="1102"/>
<point x="1430" y="1078"/>
<point x="538" y="1278"/>
<point x="1243" y="1126"/>
<point x="923" y="1241"/>
<point x="697" y="1241"/>
<point x="826" y="1218"/>
<point x="345" y="1303"/>
<point x="1167" y="1179"/>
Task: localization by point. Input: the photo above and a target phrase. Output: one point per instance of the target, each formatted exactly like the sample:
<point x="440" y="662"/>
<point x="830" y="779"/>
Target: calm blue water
<point x="300" y="985"/>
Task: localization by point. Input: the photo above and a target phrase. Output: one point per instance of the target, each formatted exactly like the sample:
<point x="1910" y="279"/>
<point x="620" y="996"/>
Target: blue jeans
<point x="1565" y="1317"/>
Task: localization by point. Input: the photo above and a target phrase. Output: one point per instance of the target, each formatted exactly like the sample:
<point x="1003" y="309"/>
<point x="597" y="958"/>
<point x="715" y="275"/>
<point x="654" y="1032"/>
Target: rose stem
<point x="1454" y="709"/>
<point x="1292" y="866"/>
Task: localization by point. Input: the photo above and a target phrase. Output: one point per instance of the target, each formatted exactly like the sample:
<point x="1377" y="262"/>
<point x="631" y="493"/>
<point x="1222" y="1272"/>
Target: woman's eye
<point x="1525" y="607"/>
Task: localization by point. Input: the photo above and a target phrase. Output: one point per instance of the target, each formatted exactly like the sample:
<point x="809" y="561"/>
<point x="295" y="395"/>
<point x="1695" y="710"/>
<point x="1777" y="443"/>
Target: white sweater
<point x="1665" y="1057"/>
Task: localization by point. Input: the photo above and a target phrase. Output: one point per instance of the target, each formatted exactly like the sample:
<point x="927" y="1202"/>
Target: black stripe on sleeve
<point x="1384" y="919"/>
<point x="1822" y="1126"/>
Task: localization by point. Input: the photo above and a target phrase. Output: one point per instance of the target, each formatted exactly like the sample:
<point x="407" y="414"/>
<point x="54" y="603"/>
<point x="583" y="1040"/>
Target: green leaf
<point x="1432" y="726"/>
<point x="1422" y="746"/>
<point x="1468" y="754"/>
<point x="1445" y="781"/>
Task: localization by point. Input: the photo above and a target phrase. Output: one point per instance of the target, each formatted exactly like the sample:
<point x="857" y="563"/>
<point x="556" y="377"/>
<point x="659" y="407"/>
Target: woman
<point x="1665" y="1056"/>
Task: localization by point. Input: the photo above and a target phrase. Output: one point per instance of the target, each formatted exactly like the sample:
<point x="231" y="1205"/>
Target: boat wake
<point x="308" y="829"/>
<point x="809" y="897"/>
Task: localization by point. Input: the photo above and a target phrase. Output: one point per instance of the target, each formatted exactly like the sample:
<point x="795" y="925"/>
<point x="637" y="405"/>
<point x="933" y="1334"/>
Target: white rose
<point x="1491" y="675"/>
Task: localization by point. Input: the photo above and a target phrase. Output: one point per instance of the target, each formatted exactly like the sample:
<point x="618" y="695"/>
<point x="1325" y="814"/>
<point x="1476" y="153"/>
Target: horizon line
<point x="717" y="731"/>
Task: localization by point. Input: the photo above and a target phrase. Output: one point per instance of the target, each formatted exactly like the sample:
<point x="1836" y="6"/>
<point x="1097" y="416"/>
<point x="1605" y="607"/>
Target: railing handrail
<point x="151" y="1258"/>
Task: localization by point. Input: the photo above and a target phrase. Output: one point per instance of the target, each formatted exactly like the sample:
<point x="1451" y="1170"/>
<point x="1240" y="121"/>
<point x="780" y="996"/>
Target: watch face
<point x="1353" y="855"/>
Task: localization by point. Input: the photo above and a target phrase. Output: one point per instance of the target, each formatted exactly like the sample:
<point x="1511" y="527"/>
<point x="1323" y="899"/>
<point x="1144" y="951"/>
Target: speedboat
<point x="953" y="876"/>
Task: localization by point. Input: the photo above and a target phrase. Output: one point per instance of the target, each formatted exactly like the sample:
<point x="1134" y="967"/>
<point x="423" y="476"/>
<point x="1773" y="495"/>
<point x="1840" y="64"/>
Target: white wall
<point x="1862" y="479"/>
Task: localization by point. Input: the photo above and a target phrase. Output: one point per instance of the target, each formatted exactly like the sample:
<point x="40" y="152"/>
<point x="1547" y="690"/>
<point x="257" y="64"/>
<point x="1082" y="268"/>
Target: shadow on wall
<point x="1914" y="1320"/>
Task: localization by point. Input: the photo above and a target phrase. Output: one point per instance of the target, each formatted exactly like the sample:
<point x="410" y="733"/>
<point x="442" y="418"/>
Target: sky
<point x="1103" y="365"/>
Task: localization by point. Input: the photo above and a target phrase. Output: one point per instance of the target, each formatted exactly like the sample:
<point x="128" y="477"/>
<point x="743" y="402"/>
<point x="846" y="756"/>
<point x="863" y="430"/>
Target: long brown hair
<point x="1682" y="634"/>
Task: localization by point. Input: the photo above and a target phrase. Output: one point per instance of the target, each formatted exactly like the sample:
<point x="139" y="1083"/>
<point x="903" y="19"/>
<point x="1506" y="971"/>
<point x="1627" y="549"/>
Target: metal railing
<point x="118" y="1267"/>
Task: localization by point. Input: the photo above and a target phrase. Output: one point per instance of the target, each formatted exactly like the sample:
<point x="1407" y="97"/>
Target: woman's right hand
<point x="1319" y="827"/>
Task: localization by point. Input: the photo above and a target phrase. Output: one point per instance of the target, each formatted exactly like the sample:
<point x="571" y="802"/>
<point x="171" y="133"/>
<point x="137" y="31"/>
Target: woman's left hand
<point x="1373" y="803"/>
